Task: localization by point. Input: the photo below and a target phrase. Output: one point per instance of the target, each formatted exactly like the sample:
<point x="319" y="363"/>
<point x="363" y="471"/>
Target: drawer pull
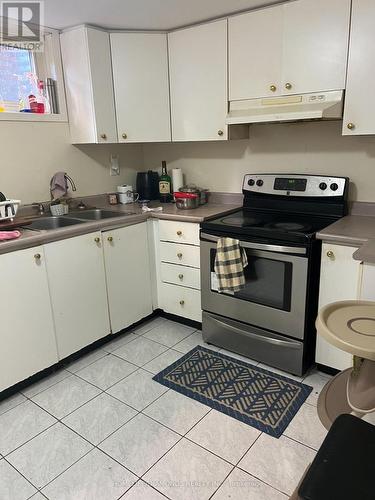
<point x="179" y="233"/>
<point x="179" y="255"/>
<point x="181" y="276"/>
<point x="182" y="302"/>
<point x="330" y="254"/>
<point x="97" y="240"/>
<point x="37" y="257"/>
<point x="110" y="239"/>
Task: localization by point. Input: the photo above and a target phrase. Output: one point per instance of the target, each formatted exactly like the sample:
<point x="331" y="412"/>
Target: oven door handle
<point x="260" y="246"/>
<point x="269" y="340"/>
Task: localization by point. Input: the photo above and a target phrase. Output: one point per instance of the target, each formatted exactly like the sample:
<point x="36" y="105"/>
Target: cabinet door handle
<point x="103" y="136"/>
<point x="179" y="255"/>
<point x="288" y="86"/>
<point x="182" y="302"/>
<point x="351" y="126"/>
<point x="97" y="240"/>
<point x="110" y="239"/>
<point x="37" y="257"/>
<point x="124" y="136"/>
<point x="220" y="132"/>
<point x="181" y="276"/>
<point x="179" y="233"/>
<point x="273" y="88"/>
<point x="330" y="254"/>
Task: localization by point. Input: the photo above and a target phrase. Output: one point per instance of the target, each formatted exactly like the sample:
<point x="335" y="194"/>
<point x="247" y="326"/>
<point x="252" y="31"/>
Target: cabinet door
<point x="140" y="75"/>
<point x="128" y="275"/>
<point x="198" y="79"/>
<point x="89" y="88"/>
<point x="368" y="282"/>
<point x="78" y="291"/>
<point x="339" y="280"/>
<point x="315" y="45"/>
<point x="28" y="343"/>
<point x="255" y="53"/>
<point x="359" y="111"/>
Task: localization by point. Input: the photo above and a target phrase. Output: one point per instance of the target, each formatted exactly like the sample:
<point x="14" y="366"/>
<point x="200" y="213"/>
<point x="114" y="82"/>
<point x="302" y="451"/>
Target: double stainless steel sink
<point x="75" y="217"/>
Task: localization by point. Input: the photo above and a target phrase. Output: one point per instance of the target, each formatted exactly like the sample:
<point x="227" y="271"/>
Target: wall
<point x="314" y="147"/>
<point x="32" y="152"/>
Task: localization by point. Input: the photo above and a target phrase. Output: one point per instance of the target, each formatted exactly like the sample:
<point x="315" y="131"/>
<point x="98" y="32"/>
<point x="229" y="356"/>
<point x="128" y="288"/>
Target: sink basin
<point x="97" y="214"/>
<point x="53" y="222"/>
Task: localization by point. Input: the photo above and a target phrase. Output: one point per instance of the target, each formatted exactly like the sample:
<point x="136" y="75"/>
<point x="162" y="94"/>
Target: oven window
<point x="268" y="282"/>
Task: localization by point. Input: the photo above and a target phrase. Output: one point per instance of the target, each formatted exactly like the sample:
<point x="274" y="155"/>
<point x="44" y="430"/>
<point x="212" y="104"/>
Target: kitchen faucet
<point x="40" y="207"/>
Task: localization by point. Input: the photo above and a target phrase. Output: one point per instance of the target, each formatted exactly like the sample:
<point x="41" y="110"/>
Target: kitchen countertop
<point x="356" y="231"/>
<point x="31" y="238"/>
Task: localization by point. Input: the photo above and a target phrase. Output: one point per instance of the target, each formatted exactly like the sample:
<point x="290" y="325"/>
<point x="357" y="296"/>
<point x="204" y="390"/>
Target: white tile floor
<point x="102" y="429"/>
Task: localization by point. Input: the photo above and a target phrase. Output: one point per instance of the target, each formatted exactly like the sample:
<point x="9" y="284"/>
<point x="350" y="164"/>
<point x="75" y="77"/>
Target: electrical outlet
<point x="114" y="165"/>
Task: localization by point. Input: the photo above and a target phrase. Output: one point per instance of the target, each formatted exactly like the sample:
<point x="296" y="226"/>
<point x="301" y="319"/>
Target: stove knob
<point x="334" y="186"/>
<point x="323" y="186"/>
<point x="251" y="182"/>
<point x="260" y="182"/>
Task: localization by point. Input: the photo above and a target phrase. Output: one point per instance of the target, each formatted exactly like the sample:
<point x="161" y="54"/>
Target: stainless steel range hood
<point x="319" y="106"/>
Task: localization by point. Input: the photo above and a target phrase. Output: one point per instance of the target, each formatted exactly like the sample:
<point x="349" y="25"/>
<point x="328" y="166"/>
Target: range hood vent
<point x="319" y="106"/>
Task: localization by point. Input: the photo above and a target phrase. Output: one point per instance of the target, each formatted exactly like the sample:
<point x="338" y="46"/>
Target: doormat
<point x="253" y="395"/>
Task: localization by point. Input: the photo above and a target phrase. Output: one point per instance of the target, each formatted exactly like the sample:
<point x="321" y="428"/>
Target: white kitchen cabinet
<point x="127" y="264"/>
<point x="340" y="279"/>
<point x="359" y="111"/>
<point x="77" y="284"/>
<point x="140" y="76"/>
<point x="368" y="282"/>
<point x="28" y="343"/>
<point x="198" y="82"/>
<point x="293" y="48"/>
<point x="86" y="56"/>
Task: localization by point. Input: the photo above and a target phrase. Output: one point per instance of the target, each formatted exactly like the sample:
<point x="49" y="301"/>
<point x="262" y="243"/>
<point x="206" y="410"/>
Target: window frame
<point x="52" y="62"/>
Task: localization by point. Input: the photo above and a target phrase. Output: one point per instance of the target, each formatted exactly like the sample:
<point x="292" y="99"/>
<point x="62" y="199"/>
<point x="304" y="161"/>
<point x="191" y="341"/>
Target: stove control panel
<point x="296" y="185"/>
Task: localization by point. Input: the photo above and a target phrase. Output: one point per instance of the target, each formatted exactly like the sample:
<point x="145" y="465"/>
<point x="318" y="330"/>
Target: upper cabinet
<point x="140" y="75"/>
<point x="359" y="110"/>
<point x="198" y="80"/>
<point x="86" y="58"/>
<point x="292" y="48"/>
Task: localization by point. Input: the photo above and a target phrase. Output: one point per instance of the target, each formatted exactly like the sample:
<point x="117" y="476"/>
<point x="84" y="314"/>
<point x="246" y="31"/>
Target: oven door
<point x="274" y="295"/>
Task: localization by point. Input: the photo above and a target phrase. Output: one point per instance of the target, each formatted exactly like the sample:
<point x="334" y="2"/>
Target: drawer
<point x="179" y="232"/>
<point x="186" y="255"/>
<point x="181" y="301"/>
<point x="180" y="275"/>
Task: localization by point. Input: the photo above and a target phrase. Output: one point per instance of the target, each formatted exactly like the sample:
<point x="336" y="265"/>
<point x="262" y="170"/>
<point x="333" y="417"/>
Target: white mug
<point x="128" y="197"/>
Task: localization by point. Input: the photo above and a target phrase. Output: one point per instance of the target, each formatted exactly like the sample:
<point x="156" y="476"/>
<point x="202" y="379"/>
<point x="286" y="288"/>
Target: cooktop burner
<point x="290" y="226"/>
<point x="241" y="221"/>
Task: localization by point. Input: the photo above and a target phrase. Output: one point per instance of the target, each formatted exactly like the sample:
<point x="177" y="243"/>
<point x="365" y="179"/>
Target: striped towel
<point x="230" y="262"/>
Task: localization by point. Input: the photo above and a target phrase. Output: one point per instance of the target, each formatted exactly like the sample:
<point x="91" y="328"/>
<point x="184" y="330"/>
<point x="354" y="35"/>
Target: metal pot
<point x="192" y="189"/>
<point x="186" y="201"/>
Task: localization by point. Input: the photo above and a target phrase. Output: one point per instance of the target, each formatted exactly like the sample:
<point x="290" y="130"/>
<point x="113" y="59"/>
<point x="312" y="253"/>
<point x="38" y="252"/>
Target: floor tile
<point x="45" y="383"/>
<point x="306" y="427"/>
<point x="119" y="341"/>
<point x="139" y="443"/>
<point x="49" y="454"/>
<point x="176" y="411"/>
<point x="106" y="371"/>
<point x="317" y="380"/>
<point x="140" y="351"/>
<point x="241" y="486"/>
<point x="142" y="491"/>
<point x="85" y="360"/>
<point x="280" y="372"/>
<point x="20" y="424"/>
<point x="12" y="485"/>
<point x="169" y="333"/>
<point x="11" y="402"/>
<point x="188" y="472"/>
<point x="192" y="341"/>
<point x="225" y="436"/>
<point x="149" y="325"/>
<point x="94" y="477"/>
<point x="66" y="396"/>
<point x="98" y="418"/>
<point x="238" y="356"/>
<point x="278" y="462"/>
<point x="138" y="390"/>
<point x="167" y="358"/>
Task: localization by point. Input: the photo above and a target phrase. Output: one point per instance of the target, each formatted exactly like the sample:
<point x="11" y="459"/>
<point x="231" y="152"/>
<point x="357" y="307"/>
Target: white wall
<point x="30" y="153"/>
<point x="299" y="148"/>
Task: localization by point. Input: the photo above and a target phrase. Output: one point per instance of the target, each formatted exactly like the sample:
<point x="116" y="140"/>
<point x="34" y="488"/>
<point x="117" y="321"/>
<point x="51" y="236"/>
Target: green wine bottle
<point x="165" y="184"/>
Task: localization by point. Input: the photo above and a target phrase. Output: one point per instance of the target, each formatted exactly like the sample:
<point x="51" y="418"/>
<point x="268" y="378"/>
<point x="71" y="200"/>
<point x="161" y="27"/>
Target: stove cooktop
<point x="270" y="225"/>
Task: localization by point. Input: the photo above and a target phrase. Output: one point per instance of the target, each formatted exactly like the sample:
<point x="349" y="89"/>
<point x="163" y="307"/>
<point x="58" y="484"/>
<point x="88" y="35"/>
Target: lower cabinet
<point x="78" y="291"/>
<point x="128" y="275"/>
<point x="340" y="279"/>
<point x="28" y="342"/>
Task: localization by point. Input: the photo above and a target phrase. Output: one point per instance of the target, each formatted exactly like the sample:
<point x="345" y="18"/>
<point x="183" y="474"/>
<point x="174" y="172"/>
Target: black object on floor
<point x="344" y="467"/>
